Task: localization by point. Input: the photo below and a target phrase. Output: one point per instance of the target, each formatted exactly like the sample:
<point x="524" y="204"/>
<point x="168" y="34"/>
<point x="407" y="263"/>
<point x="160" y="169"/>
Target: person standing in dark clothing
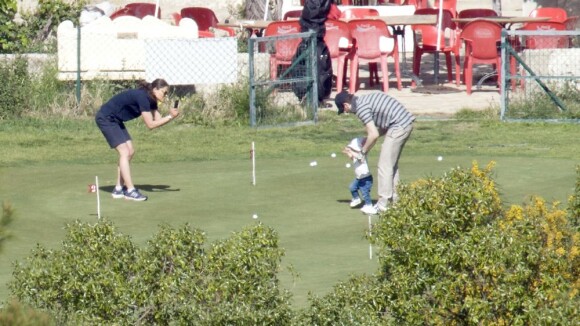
<point x="128" y="105"/>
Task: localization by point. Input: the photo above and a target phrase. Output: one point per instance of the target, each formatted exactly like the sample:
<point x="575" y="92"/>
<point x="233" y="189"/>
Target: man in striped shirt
<point x="382" y="115"/>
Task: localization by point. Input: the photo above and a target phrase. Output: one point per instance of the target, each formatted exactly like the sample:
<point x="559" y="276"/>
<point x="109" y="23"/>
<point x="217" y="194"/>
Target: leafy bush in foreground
<point x="100" y="277"/>
<point x="450" y="255"/>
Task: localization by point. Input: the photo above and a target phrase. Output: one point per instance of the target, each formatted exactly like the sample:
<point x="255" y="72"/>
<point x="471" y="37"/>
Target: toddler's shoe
<point x="355" y="202"/>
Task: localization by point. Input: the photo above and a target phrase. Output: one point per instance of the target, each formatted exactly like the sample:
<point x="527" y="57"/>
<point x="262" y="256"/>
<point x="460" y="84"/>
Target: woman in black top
<point x="125" y="106"/>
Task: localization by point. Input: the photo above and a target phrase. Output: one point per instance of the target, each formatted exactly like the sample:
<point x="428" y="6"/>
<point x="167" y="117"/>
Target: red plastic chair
<point x="205" y="19"/>
<point x="137" y="9"/>
<point x="425" y="37"/>
<point x="450" y="5"/>
<point x="368" y="37"/>
<point x="475" y="13"/>
<point x="556" y="14"/>
<point x="545" y="41"/>
<point x="284" y="49"/>
<point x="337" y="32"/>
<point x="363" y="13"/>
<point x="467" y="13"/>
<point x="292" y="14"/>
<point x="481" y="38"/>
<point x="358" y="13"/>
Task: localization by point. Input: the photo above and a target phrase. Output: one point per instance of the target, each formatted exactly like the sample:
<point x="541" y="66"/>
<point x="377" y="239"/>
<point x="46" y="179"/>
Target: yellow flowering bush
<point x="452" y="255"/>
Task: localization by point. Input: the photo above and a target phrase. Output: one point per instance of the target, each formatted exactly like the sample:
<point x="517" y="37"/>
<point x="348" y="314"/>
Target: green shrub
<point x="574" y="201"/>
<point x="50" y="96"/>
<point x="5" y="220"/>
<point x="539" y="105"/>
<point x="357" y="301"/>
<point x="38" y="32"/>
<point x="243" y="284"/>
<point x="447" y="256"/>
<point x="15" y="314"/>
<point x="13" y="38"/>
<point x="229" y="105"/>
<point x="53" y="97"/>
<point x="491" y="113"/>
<point x="14" y="88"/>
<point x="89" y="275"/>
<point x="100" y="277"/>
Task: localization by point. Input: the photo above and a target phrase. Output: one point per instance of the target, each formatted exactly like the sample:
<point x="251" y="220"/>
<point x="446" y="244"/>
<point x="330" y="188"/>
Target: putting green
<point x="307" y="206"/>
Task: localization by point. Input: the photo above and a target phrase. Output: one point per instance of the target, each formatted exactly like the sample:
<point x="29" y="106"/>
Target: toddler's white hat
<point x="356" y="144"/>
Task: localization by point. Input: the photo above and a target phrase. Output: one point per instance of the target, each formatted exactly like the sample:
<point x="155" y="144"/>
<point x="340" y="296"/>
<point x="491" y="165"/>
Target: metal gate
<point x="283" y="93"/>
<point x="540" y="75"/>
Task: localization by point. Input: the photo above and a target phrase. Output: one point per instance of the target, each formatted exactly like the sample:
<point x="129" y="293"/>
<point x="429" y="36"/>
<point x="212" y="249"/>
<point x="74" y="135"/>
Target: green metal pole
<point x="78" y="82"/>
<point x="251" y="46"/>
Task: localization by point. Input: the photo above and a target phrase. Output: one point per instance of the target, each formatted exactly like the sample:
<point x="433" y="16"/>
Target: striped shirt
<point x="384" y="110"/>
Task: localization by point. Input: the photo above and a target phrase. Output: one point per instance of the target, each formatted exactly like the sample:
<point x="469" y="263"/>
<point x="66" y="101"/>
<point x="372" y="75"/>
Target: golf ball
<point x="333" y="155"/>
<point x="313" y="163"/>
<point x="347" y="165"/>
<point x="255" y="216"/>
<point x="439" y="158"/>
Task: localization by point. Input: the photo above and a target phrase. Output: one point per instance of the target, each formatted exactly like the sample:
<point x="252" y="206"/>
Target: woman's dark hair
<point x="156" y="84"/>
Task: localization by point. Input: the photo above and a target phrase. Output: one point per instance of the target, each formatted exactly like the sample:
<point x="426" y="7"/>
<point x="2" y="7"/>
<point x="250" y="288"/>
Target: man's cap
<point x="340" y="99"/>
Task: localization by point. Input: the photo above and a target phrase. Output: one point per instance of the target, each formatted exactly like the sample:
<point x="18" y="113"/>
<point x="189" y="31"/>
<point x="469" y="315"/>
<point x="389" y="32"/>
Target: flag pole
<point x="439" y="23"/>
<point x="253" y="155"/>
<point x="98" y="197"/>
<point x="370" y="235"/>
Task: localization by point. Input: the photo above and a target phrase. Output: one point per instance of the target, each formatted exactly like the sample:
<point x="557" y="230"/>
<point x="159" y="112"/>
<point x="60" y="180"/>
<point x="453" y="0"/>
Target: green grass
<point x="202" y="176"/>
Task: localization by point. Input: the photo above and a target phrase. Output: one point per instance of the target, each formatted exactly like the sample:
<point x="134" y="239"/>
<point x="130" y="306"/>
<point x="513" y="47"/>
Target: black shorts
<point x="114" y="130"/>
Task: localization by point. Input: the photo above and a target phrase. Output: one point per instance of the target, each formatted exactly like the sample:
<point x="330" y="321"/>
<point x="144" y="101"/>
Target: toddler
<point x="363" y="181"/>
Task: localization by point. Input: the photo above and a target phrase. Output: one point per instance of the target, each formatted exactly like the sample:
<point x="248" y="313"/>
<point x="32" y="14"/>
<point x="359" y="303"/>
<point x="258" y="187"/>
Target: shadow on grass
<point x="148" y="188"/>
